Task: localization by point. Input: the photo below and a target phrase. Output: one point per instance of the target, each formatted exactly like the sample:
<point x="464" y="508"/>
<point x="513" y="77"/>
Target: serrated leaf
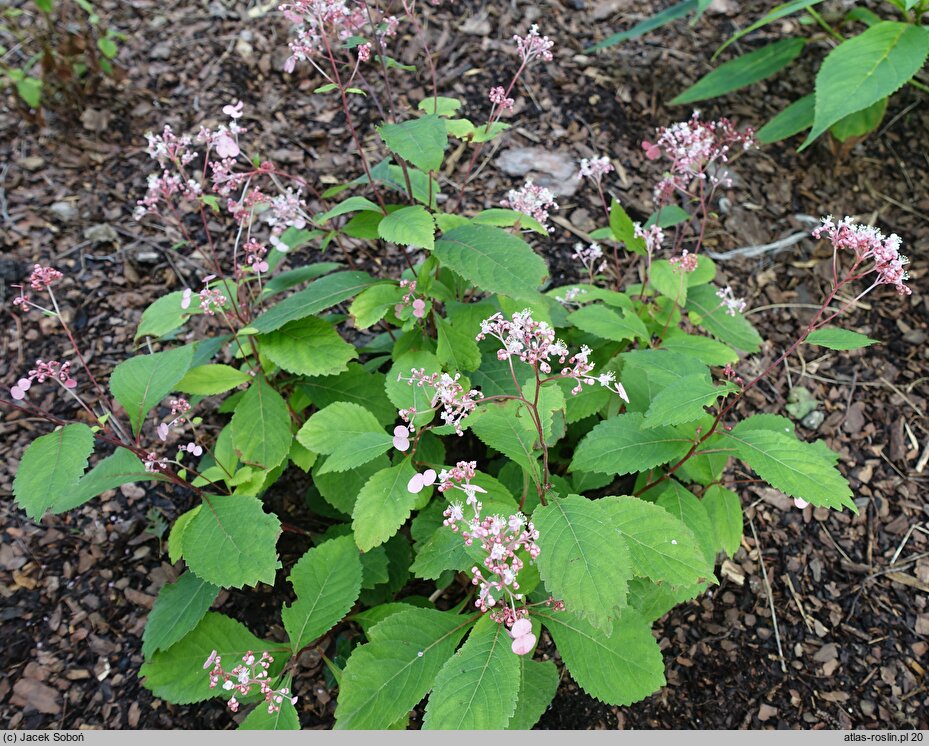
<point x="743" y="71"/>
<point x="456" y="350"/>
<point x="357" y="386"/>
<point x="684" y="401"/>
<point x="725" y="511"/>
<point x="141" y="382"/>
<point x="340" y="489"/>
<point x="864" y="69"/>
<point x="293" y="277"/>
<point x="441" y="105"/>
<point x="207" y="380"/>
<point x="623" y="229"/>
<point x="327" y="581"/>
<point x="506" y="218"/>
<point x="176" y="537"/>
<point x="704" y="310"/>
<point x="582" y="562"/>
<point x="707" y="351"/>
<point x="477" y="687"/>
<point x="493" y="260"/>
<point x="668" y="280"/>
<point x="508" y="428"/>
<point x="308" y="347"/>
<point x="122" y="467"/>
<point x="792" y="466"/>
<point x="860" y="123"/>
<point x="667" y="216"/>
<point x="620" y="668"/>
<point x="232" y="542"/>
<point x="444" y="550"/>
<point x="607" y="324"/>
<point x="792" y="120"/>
<point x="260" y="427"/>
<point x="839" y="339"/>
<point x="661" y="546"/>
<point x="622" y="445"/>
<point x="285" y="718"/>
<point x="51" y="467"/>
<point x="177" y="674"/>
<point x="409" y="226"/>
<point x="352" y="204"/>
<point x="684" y="505"/>
<point x="538" y="682"/>
<point x="371" y="305"/>
<point x="383" y="505"/>
<point x="384" y="679"/>
<point x="178" y="609"/>
<point x="164" y="316"/>
<point x="321" y="294"/>
<point x="421" y="142"/>
<point x="348" y="433"/>
<point x="653" y="600"/>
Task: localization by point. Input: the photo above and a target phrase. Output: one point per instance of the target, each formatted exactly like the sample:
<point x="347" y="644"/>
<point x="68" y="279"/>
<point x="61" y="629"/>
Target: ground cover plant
<point x="565" y="418"/>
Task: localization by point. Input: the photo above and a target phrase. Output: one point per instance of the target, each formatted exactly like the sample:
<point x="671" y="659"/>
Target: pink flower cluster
<point x="447" y="393"/>
<point x="869" y="243"/>
<point x="179" y="408"/>
<point x="728" y="301"/>
<point x="686" y="262"/>
<point x="533" y="46"/>
<point x="533" y="342"/>
<point x="211" y="299"/>
<point x="590" y="257"/>
<point x="249" y="673"/>
<point x="154" y="463"/>
<point x="532" y="200"/>
<point x="594" y="168"/>
<point x="41" y="278"/>
<point x="59" y="372"/>
<point x="499" y="98"/>
<point x="410" y="299"/>
<point x="692" y="146"/>
<point x="653" y="236"/>
<point x="255" y="254"/>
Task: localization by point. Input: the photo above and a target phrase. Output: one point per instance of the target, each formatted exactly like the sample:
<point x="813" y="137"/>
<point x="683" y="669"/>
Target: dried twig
<point x="767" y="587"/>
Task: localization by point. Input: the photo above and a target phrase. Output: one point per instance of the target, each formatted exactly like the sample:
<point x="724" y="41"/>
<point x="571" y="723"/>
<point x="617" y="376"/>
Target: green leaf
<point x="505" y="218"/>
<point x="538" y="682"/>
<point x="795" y="118"/>
<point x="260" y="427"/>
<point x="508" y="428"/>
<point x="421" y="142"/>
<point x="299" y="275"/>
<point x="284" y="719"/>
<point x="602" y="322"/>
<point x="662" y="547"/>
<point x="107" y="47"/>
<point x="177" y="674"/>
<point x="178" y="609"/>
<point x="122" y="467"/>
<point x="792" y="466"/>
<point x="456" y="350"/>
<point x="839" y="339"/>
<point x="371" y="305"/>
<point x="352" y="204"/>
<point x="163" y="316"/>
<point x="327" y="581"/>
<point x="707" y="351"/>
<point x="340" y="489"/>
<point x="860" y="123"/>
<point x="348" y="433"/>
<point x="581" y="560"/>
<point x="308" y="347"/>
<point x="477" y="687"/>
<point x="140" y="382"/>
<point x="176" y="537"/>
<point x="725" y="511"/>
<point x="620" y="668"/>
<point x="409" y="226"/>
<point x="654" y="600"/>
<point x="493" y="260"/>
<point x="30" y="91"/>
<point x="864" y="69"/>
<point x="668" y="216"/>
<point x="669" y="281"/>
<point x="742" y="71"/>
<point x="623" y="229"/>
<point x="704" y="310"/>
<point x="383" y="505"/>
<point x="656" y="21"/>
<point x="441" y="105"/>
<point x="684" y="505"/>
<point x="357" y="386"/>
<point x="231" y="542"/>
<point x="780" y="11"/>
<point x="207" y="380"/>
<point x="621" y="445"/>
<point x="321" y="294"/>
<point x="684" y="402"/>
<point x="51" y="467"/>
<point x="386" y="678"/>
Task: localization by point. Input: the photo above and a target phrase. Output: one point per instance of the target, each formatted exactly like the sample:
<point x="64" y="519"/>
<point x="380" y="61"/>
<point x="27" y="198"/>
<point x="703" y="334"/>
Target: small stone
<point x="867" y="707"/>
<point x="813" y="420"/>
<point x="766" y="712"/>
<point x="64" y="211"/>
<point x="101" y="233"/>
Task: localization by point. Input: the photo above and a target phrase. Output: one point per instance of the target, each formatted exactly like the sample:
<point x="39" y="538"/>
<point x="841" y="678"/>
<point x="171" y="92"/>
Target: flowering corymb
<point x="532" y="200"/>
<point x="868" y="243"/>
<point x="251" y="672"/>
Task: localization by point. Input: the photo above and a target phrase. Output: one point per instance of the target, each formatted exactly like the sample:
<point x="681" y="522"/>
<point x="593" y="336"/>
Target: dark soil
<point x="848" y="593"/>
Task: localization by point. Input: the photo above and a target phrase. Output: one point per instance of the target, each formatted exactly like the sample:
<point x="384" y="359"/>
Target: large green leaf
<point x="260" y="427"/>
<point x="51" y="467"/>
<point x="707" y="351"/>
<point x="383" y="505"/>
<point x="232" y="542"/>
<point x="178" y="609"/>
<point x="661" y="546"/>
<point x="456" y="349"/>
<point x="140" y="382"/>
<point x="164" y="316"/>
<point x="308" y="347"/>
<point x="839" y="339"/>
<point x="620" y="668"/>
<point x="177" y="674"/>
<point x="352" y="204"/>
<point x="656" y="21"/>
<point x="327" y="581"/>
<point x="654" y="600"/>
<point x="493" y="260"/>
<point x="507" y="427"/>
<point x="622" y="445"/>
<point x="421" y="142"/>
<point x="284" y="718"/>
<point x="704" y="309"/>
<point x="864" y="69"/>
<point x="860" y="123"/>
<point x="684" y="401"/>
<point x="386" y="678"/>
<point x="538" y="683"/>
<point x="796" y="468"/>
<point x="725" y="512"/>
<point x="340" y="489"/>
<point x="795" y="118"/>
<point x="321" y="294"/>
<point x="742" y="71"/>
<point x="684" y="505"/>
<point x="122" y="467"/>
<point x="206" y="380"/>
<point x="409" y="226"/>
<point x="477" y="687"/>
<point x="355" y="385"/>
<point x="581" y="560"/>
<point x="602" y="322"/>
<point x="348" y="433"/>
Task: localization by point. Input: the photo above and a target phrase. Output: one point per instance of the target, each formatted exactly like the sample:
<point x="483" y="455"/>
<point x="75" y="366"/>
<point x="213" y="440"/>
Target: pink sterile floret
<point x="418" y="482"/>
